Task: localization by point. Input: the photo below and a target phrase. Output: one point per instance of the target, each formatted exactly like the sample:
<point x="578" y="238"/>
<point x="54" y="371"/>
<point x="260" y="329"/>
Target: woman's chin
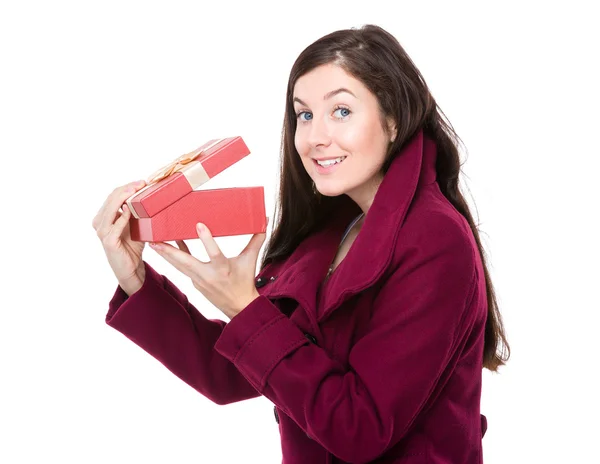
<point x="330" y="192"/>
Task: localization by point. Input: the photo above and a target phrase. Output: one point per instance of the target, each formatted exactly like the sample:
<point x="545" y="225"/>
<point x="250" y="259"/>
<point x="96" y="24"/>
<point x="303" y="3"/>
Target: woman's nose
<point x="319" y="133"/>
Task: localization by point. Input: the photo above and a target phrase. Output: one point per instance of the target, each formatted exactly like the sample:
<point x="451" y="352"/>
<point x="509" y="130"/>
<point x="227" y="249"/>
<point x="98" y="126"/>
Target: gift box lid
<point x="185" y="173"/>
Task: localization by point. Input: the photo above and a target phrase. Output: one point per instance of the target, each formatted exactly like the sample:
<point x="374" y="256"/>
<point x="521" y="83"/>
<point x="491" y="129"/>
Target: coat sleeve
<point x="160" y="319"/>
<point x="419" y="318"/>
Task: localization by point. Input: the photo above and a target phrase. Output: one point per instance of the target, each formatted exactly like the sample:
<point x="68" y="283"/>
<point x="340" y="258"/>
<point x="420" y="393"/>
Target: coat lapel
<point x="372" y="251"/>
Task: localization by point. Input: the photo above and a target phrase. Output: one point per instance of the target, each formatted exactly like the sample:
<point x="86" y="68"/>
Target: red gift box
<point x="228" y="211"/>
<point x="184" y="174"/>
<point x="169" y="208"/>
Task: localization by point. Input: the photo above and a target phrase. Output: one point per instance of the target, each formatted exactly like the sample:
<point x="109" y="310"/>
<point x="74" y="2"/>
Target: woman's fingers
<point x="117" y="229"/>
<point x="212" y="248"/>
<point x="98" y="217"/>
<point x="114" y="201"/>
<point x="182" y="246"/>
<point x="100" y="214"/>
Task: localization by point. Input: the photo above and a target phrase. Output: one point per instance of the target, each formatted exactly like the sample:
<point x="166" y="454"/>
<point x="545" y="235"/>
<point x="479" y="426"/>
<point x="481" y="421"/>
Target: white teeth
<point x="331" y="162"/>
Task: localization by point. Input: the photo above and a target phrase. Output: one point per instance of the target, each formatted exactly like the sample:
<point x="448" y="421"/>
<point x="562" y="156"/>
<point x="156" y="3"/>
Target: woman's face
<point x="340" y="124"/>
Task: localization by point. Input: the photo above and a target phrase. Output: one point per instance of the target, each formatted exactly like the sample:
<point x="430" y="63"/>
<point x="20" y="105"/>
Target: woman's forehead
<point x="324" y="82"/>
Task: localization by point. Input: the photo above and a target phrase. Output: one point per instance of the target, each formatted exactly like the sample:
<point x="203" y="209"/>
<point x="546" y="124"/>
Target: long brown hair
<point x="373" y="56"/>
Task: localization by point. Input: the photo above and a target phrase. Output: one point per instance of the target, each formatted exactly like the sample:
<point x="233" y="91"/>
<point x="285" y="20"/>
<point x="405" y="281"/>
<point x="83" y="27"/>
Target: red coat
<point x="384" y="365"/>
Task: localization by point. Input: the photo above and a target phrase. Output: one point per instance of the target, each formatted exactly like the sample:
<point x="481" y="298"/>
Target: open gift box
<point x="168" y="208"/>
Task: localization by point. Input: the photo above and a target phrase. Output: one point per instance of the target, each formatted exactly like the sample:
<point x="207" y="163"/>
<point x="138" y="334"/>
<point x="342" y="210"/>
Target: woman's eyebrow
<point x="328" y="95"/>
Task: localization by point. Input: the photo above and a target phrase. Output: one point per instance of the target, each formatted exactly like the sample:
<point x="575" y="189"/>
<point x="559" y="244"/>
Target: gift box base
<point x="228" y="211"/>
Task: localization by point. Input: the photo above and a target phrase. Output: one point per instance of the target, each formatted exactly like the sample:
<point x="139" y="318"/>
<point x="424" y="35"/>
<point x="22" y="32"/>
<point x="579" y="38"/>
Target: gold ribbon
<point x="177" y="165"/>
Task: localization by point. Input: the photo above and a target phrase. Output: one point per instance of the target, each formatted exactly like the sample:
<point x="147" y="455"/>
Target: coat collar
<point x="372" y="251"/>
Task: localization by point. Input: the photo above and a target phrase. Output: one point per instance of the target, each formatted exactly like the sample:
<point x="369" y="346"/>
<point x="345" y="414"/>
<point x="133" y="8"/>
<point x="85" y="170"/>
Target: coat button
<point x="276" y="415"/>
<point x="311" y="338"/>
<point x="262" y="281"/>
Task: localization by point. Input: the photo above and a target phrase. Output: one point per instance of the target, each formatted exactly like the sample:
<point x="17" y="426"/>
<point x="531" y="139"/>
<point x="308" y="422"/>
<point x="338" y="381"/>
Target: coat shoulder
<point x="433" y="225"/>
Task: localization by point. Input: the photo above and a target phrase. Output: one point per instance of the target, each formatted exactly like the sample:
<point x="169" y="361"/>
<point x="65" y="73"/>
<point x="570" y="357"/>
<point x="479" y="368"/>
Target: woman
<point x="373" y="312"/>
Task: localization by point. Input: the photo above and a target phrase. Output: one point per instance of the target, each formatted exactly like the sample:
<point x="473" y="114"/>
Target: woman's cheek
<point x="350" y="136"/>
<point x="300" y="146"/>
<point x="298" y="143"/>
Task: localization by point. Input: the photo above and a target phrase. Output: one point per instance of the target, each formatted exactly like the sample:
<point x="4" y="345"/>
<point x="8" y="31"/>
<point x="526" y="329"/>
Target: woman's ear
<point x="391" y="129"/>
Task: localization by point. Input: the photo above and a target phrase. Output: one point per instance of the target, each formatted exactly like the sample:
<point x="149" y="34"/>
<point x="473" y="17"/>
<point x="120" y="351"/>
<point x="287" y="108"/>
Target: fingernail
<point x="200" y="227"/>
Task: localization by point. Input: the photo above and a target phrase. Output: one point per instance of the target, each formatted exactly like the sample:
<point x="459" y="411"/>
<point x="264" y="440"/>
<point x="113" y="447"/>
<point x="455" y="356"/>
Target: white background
<point x="97" y="94"/>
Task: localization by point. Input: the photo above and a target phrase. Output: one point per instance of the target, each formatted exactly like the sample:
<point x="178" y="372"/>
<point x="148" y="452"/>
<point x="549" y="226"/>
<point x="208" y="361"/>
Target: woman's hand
<point x="227" y="283"/>
<point x="112" y="227"/>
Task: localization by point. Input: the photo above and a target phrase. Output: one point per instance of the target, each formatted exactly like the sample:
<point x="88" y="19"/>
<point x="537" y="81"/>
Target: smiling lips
<point x="329" y="165"/>
<point x="329" y="162"/>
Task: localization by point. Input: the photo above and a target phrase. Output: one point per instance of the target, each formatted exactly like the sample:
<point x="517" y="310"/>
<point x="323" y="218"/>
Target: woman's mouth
<point x="329" y="166"/>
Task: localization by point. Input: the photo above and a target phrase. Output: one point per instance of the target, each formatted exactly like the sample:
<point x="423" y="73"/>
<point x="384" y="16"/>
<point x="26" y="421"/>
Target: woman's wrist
<point x="135" y="283"/>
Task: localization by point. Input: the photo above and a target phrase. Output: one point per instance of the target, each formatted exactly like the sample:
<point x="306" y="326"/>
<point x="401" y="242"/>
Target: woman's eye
<point x="300" y="114"/>
<point x="343" y="109"/>
<point x="340" y="108"/>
